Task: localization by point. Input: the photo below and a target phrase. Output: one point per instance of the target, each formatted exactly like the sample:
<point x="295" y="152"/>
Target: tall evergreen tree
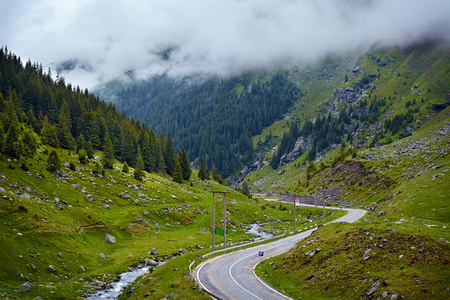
<point x="178" y="171"/>
<point x="215" y="174"/>
<point x="108" y="158"/>
<point x="202" y="171"/>
<point x="89" y="150"/>
<point x="29" y="142"/>
<point x="48" y="134"/>
<point x="185" y="165"/>
<point x="53" y="162"/>
<point x="169" y="155"/>
<point x="63" y="129"/>
<point x="139" y="169"/>
<point x="13" y="146"/>
<point x="2" y="139"/>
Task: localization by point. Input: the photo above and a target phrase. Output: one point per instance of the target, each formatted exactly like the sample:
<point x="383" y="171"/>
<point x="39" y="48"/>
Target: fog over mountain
<point x="99" y="40"/>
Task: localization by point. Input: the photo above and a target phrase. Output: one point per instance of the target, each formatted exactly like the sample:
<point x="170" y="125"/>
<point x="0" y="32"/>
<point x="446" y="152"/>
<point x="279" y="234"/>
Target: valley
<point x="88" y="191"/>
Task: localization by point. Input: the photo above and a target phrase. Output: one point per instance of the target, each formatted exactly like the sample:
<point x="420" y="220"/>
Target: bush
<point x="24" y="166"/>
<point x="82" y="156"/>
<point x="53" y="162"/>
<point x="125" y="168"/>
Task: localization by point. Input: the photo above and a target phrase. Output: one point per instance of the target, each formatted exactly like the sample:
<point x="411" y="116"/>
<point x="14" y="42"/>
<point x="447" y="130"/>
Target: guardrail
<point x="234" y="248"/>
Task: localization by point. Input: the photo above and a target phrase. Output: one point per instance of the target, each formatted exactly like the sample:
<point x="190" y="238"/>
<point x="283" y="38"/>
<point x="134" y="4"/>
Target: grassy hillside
<point x="53" y="228"/>
<point x="389" y="84"/>
<point x="401" y="247"/>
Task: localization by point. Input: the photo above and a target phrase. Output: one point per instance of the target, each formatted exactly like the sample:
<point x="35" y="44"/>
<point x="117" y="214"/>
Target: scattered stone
<point x="146" y="213"/>
<point x="384" y="295"/>
<point x="182" y="251"/>
<point x="52" y="268"/>
<point x="83" y="269"/>
<point x="124" y="195"/>
<point x="26" y="287"/>
<point x="102" y="255"/>
<point x="130" y="291"/>
<point x="151" y="262"/>
<point x="372" y="288"/>
<point x="154" y="252"/>
<point x="312" y="253"/>
<point x="394" y="297"/>
<point x="25" y="195"/>
<point x="110" y="239"/>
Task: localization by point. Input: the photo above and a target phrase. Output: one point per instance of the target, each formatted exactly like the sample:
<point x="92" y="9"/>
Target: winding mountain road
<point x="232" y="276"/>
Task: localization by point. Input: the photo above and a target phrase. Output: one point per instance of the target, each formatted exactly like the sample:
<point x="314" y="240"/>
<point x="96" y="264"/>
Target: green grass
<point x="49" y="236"/>
<point x="422" y="271"/>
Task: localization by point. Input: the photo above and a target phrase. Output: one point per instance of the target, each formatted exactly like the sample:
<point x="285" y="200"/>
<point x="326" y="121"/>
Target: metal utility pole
<point x="324" y="206"/>
<point x="315" y="197"/>
<point x="224" y="219"/>
<point x="213" y="221"/>
<point x="294" y="213"/>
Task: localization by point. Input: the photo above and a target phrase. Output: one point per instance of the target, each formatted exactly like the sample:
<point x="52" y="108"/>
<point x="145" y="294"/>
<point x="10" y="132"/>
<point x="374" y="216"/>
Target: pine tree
<point x="169" y="155"/>
<point x="125" y="168"/>
<point x="53" y="162"/>
<point x="63" y="129"/>
<point x="2" y="139"/>
<point x="81" y="142"/>
<point x="207" y="177"/>
<point x="13" y="146"/>
<point x="89" y="150"/>
<point x="82" y="156"/>
<point x="178" y="171"/>
<point x="202" y="171"/>
<point x="30" y="143"/>
<point x="139" y="169"/>
<point x="48" y="134"/>
<point x="185" y="165"/>
<point x="245" y="190"/>
<point x="155" y="153"/>
<point x="108" y="158"/>
<point x="215" y="174"/>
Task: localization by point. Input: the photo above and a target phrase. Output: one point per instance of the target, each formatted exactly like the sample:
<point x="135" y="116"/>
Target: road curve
<point x="232" y="276"/>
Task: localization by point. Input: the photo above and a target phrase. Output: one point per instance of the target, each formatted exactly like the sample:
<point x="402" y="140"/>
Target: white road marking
<point x="251" y="254"/>
<point x="350" y="216"/>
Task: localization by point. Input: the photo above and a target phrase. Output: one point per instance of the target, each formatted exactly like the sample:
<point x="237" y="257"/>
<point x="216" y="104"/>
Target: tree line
<point x="36" y="108"/>
<point x="213" y="118"/>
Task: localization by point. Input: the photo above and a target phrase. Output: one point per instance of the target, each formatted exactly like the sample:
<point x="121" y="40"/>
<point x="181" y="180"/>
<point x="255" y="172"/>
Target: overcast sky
<point x="111" y="37"/>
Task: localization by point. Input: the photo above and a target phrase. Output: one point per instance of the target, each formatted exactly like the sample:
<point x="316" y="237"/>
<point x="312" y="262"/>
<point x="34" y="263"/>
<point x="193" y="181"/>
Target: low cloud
<point x="103" y="38"/>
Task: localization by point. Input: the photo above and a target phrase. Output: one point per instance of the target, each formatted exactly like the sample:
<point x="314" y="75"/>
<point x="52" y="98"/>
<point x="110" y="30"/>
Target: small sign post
<point x="260" y="254"/>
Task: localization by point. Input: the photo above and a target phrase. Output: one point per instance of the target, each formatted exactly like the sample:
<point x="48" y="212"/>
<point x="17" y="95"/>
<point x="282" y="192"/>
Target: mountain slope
<point x="389" y="95"/>
<point x="402" y="247"/>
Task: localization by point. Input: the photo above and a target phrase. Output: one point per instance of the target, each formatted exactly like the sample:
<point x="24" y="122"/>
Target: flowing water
<point x="255" y="229"/>
<point x="116" y="288"/>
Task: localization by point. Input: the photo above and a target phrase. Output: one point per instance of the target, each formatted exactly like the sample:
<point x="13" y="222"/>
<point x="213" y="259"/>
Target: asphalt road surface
<point x="232" y="276"/>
